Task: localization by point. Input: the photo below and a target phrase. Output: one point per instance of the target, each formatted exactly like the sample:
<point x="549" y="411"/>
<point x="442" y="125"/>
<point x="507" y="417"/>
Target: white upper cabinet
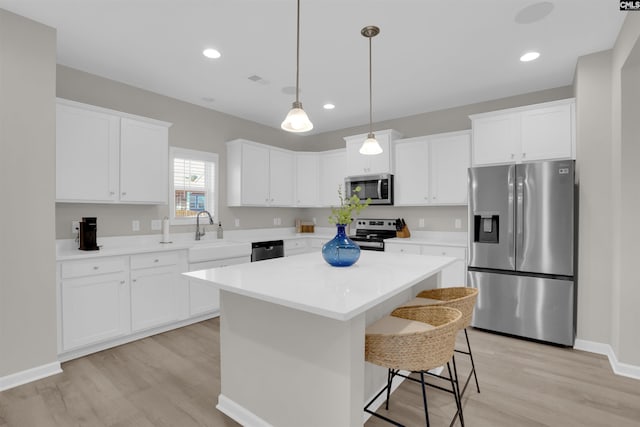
<point x="432" y="170"/>
<point x="360" y="164"/>
<point x="281" y="177"/>
<point x="332" y="171"/>
<point x="307" y="179"/>
<point x="411" y="186"/>
<point x="448" y="163"/>
<point x="144" y="158"/>
<point x="548" y="133"/>
<point x="107" y="156"/>
<point x="87" y="152"/>
<point x="259" y="175"/>
<point x="536" y="132"/>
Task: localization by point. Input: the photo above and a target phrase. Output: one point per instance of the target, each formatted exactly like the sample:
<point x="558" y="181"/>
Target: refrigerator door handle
<point x="510" y="217"/>
<point x="519" y="216"/>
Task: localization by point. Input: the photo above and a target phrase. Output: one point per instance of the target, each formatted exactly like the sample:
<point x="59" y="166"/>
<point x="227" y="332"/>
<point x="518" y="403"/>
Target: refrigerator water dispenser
<point x="485" y="228"/>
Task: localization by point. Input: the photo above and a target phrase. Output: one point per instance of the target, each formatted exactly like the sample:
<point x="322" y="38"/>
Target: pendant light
<point x="297" y="120"/>
<point x="370" y="146"/>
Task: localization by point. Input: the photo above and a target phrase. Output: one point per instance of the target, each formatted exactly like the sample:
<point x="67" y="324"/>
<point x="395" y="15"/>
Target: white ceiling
<point x="429" y="55"/>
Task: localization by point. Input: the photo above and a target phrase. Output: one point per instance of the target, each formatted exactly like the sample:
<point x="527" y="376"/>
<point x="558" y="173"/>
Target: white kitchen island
<point x="292" y="334"/>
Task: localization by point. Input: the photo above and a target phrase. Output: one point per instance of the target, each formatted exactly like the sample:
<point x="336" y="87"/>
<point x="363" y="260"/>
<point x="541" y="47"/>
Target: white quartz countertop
<point x="306" y="282"/>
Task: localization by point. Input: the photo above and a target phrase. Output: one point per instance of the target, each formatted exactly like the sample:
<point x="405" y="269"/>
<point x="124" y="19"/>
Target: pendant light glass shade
<point x="370" y="146"/>
<point x="297" y="120"/>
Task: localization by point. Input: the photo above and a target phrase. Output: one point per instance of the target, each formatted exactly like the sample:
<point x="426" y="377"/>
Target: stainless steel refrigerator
<point x="522" y="249"/>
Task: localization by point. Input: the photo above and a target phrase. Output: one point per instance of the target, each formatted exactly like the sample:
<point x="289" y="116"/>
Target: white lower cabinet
<point x="106" y="301"/>
<point x="296" y="246"/>
<point x="204" y="298"/>
<point x="453" y="275"/>
<point x="94" y="301"/>
<point x="158" y="291"/>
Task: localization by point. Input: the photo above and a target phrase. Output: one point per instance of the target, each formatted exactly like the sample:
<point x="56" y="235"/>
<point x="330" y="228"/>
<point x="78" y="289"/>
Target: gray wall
<point x="593" y="127"/>
<point x="608" y="99"/>
<point x="27" y="172"/>
<point x="626" y="205"/>
<point x="202" y="129"/>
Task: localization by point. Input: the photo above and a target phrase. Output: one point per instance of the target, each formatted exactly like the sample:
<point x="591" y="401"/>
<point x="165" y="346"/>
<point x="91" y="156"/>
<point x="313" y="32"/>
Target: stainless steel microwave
<point x="378" y="188"/>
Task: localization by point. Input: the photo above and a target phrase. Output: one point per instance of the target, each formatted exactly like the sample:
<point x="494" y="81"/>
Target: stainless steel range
<point x="370" y="233"/>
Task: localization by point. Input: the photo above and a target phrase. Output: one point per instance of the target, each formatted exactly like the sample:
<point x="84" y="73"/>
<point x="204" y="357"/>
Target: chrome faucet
<point x="199" y="233"/>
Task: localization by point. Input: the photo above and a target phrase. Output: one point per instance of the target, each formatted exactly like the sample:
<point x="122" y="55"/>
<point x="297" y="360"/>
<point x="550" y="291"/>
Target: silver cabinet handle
<point x="95" y="267"/>
<point x="122" y="282"/>
<point x="124" y="193"/>
<point x="156" y="260"/>
<point x="524" y="155"/>
<point x="111" y="193"/>
<point x="134" y="280"/>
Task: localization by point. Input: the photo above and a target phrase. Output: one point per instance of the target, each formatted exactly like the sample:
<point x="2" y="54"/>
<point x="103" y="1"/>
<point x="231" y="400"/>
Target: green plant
<point x="343" y="213"/>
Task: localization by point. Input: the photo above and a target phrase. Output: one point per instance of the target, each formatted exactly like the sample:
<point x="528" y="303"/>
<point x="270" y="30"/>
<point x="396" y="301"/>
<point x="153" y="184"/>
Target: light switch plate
<point x="458" y="223"/>
<point x="421" y="223"/>
<point x="237" y="222"/>
<point x="75" y="227"/>
<point x="135" y="225"/>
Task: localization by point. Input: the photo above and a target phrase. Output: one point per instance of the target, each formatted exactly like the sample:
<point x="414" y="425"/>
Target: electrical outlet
<point x="275" y="221"/>
<point x="421" y="223"/>
<point x="458" y="223"/>
<point x="314" y="221"/>
<point x="75" y="227"/>
<point x="156" y="224"/>
<point x="279" y="221"/>
<point x="135" y="225"/>
<point x="237" y="222"/>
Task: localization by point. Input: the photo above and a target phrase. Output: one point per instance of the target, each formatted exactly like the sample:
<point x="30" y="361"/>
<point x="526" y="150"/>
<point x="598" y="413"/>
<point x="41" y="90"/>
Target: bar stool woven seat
<point x="461" y="298"/>
<point x="413" y="339"/>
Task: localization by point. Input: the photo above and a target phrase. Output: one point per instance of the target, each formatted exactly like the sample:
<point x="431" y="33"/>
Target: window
<point x="194" y="184"/>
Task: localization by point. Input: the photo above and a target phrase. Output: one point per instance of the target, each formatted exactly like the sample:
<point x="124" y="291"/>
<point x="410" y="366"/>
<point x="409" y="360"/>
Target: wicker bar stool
<point x="413" y="339"/>
<point x="462" y="298"/>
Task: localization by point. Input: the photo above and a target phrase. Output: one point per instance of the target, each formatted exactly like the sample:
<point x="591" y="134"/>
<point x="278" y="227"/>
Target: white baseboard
<point x="619" y="368"/>
<point x="239" y="413"/>
<point x="33" y="374"/>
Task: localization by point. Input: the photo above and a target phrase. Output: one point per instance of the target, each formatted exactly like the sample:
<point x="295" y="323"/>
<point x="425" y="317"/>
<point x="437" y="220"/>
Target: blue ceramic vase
<point x="341" y="251"/>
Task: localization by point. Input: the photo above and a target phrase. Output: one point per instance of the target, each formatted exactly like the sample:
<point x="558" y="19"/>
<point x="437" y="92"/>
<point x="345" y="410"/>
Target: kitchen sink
<point x="207" y="250"/>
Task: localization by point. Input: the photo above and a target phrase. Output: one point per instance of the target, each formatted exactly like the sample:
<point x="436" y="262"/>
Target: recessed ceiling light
<point x="328" y="106"/>
<point x="529" y="56"/>
<point x="211" y="53"/>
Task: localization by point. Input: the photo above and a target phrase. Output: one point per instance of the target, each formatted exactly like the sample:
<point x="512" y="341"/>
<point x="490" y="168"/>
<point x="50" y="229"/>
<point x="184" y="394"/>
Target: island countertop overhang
<point x="305" y="282"/>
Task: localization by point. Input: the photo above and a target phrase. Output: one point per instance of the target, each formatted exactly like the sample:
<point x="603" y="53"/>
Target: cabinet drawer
<point x="295" y="244"/>
<point x="154" y="259"/>
<point x="404" y="248"/>
<point x="93" y="267"/>
<point x="444" y="251"/>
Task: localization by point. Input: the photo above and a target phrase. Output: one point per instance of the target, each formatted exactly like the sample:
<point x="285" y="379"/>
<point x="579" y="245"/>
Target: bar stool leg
<point x="424" y="397"/>
<point x="456" y="396"/>
<point x="473" y="366"/>
<point x="389" y="380"/>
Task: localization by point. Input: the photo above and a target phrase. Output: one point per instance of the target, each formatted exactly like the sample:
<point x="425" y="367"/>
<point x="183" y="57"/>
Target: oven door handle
<point x="379" y="189"/>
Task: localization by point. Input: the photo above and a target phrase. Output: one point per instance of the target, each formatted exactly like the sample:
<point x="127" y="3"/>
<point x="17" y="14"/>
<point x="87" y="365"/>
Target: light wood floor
<point x="172" y="379"/>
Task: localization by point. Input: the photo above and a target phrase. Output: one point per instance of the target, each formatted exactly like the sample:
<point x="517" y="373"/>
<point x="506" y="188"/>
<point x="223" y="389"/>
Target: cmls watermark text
<point x="629" y="5"/>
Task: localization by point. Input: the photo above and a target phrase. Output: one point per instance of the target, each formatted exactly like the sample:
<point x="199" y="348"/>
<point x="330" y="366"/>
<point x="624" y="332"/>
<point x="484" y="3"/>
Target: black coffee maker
<point x="88" y="230"/>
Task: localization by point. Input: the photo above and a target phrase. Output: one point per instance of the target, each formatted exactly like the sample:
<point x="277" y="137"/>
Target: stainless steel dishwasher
<point x="267" y="250"/>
